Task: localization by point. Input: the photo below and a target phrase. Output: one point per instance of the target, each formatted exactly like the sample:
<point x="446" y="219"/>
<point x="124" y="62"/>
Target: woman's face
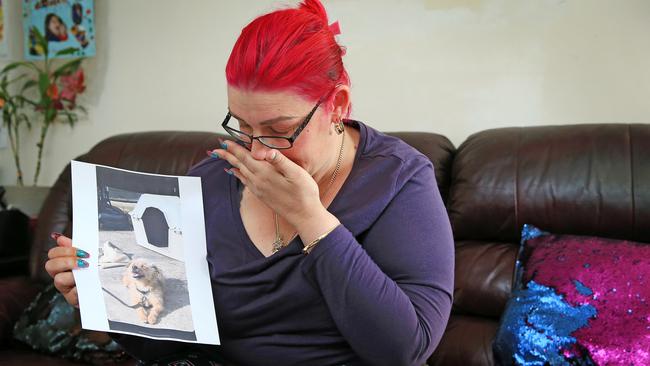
<point x="56" y="27"/>
<point x="280" y="114"/>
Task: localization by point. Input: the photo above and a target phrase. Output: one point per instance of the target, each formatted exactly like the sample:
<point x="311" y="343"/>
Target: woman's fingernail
<point x="227" y="171"/>
<point x="54" y="235"/>
<point x="82" y="263"/>
<point x="82" y="254"/>
<point x="212" y="154"/>
<point x="224" y="146"/>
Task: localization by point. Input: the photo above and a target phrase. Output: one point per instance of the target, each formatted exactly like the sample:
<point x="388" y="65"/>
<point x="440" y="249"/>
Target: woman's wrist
<point x="310" y="246"/>
<point x="316" y="224"/>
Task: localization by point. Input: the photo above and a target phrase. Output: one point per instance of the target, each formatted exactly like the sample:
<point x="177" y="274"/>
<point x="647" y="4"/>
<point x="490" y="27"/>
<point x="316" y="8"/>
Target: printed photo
<point x="150" y="268"/>
<point x="141" y="266"/>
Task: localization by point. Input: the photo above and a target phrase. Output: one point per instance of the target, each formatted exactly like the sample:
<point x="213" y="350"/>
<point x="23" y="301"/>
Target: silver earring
<point x="339" y="127"/>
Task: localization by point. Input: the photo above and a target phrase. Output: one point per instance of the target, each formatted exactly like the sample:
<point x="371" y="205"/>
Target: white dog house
<point x="157" y="224"/>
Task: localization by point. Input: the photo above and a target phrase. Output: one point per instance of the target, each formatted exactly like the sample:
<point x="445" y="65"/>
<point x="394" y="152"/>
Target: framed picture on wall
<point x="3" y="36"/>
<point x="63" y="23"/>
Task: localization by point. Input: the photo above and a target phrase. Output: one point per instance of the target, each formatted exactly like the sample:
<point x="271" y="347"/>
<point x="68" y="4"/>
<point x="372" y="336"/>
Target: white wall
<point x="448" y="66"/>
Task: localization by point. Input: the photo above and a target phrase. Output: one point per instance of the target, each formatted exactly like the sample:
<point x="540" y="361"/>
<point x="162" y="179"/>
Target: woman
<point x="328" y="242"/>
<point x="55" y="29"/>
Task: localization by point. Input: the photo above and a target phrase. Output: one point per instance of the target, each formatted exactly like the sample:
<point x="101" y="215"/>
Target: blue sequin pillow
<point x="577" y="300"/>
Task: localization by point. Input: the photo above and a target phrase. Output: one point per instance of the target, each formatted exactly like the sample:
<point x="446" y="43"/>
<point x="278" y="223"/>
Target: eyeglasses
<point x="274" y="142"/>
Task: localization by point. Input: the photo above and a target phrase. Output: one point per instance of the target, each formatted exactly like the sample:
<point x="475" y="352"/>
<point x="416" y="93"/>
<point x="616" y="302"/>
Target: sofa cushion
<point x="589" y="179"/>
<point x="483" y="277"/>
<point x="578" y="300"/>
<point x="467" y="341"/>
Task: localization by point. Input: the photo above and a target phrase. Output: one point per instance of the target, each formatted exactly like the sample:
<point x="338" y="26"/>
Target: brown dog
<point x="146" y="288"/>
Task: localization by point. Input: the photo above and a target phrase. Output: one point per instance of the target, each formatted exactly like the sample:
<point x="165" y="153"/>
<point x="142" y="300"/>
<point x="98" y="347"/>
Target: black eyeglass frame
<point x="236" y="133"/>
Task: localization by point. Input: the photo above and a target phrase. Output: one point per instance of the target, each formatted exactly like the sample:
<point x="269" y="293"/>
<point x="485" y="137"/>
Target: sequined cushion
<point x="50" y="325"/>
<point x="577" y="300"/>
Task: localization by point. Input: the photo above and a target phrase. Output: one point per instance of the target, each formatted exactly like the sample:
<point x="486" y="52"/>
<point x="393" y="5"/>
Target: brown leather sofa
<point x="581" y="179"/>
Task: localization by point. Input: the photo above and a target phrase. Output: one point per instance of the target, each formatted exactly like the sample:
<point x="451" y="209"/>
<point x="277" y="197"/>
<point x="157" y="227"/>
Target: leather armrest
<point x="16" y="293"/>
<point x="14" y="266"/>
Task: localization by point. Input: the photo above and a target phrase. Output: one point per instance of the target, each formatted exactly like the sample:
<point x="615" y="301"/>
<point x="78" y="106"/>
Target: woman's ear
<point x="340" y="102"/>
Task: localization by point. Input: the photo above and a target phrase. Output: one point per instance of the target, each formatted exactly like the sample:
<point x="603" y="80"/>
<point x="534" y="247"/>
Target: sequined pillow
<point x="50" y="325"/>
<point x="577" y="300"/>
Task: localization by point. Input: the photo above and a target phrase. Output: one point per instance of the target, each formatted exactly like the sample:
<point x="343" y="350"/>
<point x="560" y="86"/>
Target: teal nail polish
<point x="214" y="155"/>
<point x="224" y="146"/>
<point x="82" y="254"/>
<point x="82" y="263"/>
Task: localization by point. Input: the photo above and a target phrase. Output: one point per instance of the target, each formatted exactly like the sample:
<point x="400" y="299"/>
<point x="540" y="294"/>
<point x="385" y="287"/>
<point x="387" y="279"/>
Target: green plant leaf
<point x="6" y="120"/>
<point x="14" y="65"/>
<point x="43" y="84"/>
<point x="28" y="84"/>
<point x="26" y="121"/>
<point x="67" y="68"/>
<point x="24" y="100"/>
<point x="66" y="51"/>
<point x="40" y="40"/>
<point x="72" y="118"/>
<point x="50" y="115"/>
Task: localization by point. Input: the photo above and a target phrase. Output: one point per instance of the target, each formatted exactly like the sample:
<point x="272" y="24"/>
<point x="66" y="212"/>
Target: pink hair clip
<point x="335" y="28"/>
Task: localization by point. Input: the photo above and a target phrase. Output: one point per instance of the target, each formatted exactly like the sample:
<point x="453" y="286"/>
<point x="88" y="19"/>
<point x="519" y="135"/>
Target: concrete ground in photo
<point x="177" y="314"/>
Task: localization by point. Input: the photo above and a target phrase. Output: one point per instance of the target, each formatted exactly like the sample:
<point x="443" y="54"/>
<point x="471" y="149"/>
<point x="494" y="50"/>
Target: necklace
<point x="279" y="243"/>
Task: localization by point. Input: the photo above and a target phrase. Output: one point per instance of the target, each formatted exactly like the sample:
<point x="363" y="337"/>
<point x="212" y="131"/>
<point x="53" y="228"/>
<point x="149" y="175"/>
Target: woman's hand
<point x="62" y="260"/>
<point x="282" y="185"/>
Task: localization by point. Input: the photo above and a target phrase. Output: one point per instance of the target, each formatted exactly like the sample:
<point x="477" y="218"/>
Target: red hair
<point x="288" y="50"/>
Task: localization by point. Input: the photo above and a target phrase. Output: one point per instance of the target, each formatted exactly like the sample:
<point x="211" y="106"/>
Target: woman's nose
<point x="258" y="150"/>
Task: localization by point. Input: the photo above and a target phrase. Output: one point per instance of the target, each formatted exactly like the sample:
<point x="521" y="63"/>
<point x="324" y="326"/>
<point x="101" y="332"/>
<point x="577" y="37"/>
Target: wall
<point x="447" y="66"/>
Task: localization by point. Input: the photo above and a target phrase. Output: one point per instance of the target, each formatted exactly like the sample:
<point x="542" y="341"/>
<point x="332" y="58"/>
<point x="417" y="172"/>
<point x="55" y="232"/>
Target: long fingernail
<point x="54" y="235"/>
<point x="82" y="254"/>
<point x="82" y="263"/>
<point x="227" y="171"/>
<point x="224" y="146"/>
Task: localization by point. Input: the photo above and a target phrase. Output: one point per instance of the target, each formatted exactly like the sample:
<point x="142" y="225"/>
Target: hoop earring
<point x="339" y="127"/>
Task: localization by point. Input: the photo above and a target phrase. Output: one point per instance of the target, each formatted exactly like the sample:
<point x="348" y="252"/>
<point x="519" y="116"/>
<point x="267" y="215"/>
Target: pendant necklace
<point x="279" y="243"/>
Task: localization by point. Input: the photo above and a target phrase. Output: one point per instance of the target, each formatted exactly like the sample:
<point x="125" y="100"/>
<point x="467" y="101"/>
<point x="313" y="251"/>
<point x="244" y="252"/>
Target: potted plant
<point x="12" y="119"/>
<point x="48" y="90"/>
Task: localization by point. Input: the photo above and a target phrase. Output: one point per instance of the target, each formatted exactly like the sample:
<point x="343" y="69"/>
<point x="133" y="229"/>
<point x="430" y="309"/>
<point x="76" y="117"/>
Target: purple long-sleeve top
<point x="377" y="290"/>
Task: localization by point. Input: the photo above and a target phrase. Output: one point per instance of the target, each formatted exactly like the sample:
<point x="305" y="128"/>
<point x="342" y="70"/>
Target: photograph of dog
<point x="141" y="287"/>
<point x="146" y="286"/>
<point x="142" y="268"/>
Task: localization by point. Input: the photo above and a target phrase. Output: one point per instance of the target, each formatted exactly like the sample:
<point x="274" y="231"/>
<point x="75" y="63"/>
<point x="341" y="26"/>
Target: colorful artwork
<point x="3" y="38"/>
<point x="65" y="24"/>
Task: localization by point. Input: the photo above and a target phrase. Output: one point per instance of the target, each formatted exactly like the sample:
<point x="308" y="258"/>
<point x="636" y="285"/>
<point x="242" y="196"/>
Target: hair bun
<point x="315" y="7"/>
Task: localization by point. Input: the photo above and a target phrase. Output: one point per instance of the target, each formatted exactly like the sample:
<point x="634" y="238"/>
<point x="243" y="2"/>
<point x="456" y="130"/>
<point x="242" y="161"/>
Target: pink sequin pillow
<point x="577" y="300"/>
